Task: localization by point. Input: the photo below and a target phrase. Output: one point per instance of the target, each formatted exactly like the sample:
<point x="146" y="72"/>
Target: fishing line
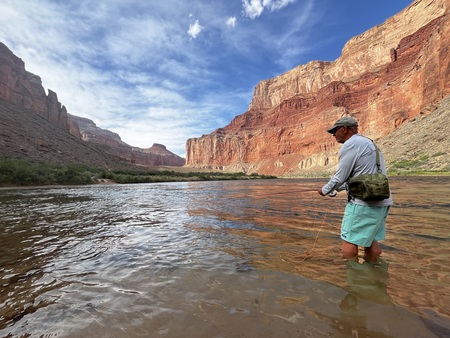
<point x="331" y="194"/>
<point x="286" y="192"/>
<point x="315" y="241"/>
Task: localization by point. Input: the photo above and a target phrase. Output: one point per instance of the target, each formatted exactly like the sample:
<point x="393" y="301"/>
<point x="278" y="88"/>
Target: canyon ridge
<point x="394" y="79"/>
<point x="36" y="126"/>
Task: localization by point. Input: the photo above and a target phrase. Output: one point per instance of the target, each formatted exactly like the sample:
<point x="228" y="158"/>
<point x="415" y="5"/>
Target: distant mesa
<point x="157" y="155"/>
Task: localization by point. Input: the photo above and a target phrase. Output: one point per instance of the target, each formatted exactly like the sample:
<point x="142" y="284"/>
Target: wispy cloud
<point x="254" y="8"/>
<point x="160" y="71"/>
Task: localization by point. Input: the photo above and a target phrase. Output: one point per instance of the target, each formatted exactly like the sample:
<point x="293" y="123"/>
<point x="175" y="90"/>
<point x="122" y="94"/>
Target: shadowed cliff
<point x="37" y="126"/>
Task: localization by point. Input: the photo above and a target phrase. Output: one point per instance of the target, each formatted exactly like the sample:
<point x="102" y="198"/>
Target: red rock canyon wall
<point x="384" y="77"/>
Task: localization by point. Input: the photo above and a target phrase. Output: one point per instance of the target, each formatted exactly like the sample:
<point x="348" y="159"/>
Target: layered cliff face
<point x="26" y="135"/>
<point x="157" y="155"/>
<point x="23" y="90"/>
<point x="385" y="78"/>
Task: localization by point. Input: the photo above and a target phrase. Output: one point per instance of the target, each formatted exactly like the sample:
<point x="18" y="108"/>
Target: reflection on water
<point x="216" y="259"/>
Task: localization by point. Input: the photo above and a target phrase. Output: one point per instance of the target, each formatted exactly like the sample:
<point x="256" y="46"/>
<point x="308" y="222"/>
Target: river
<point x="219" y="259"/>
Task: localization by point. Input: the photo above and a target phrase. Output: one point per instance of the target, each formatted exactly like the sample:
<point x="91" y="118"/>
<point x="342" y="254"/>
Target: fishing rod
<point x="287" y="192"/>
<point x="331" y="194"/>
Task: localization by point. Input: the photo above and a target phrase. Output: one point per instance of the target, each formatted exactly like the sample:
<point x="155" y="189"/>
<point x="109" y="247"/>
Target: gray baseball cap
<point x="346" y="121"/>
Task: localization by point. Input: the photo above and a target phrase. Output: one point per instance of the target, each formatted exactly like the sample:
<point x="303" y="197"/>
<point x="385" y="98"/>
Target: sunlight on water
<point x="219" y="259"/>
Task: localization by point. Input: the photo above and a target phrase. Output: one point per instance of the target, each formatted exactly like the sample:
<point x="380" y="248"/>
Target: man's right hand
<point x="332" y="193"/>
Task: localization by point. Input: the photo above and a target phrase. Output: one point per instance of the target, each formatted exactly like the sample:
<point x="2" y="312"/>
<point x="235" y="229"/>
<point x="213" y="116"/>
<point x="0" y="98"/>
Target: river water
<point x="219" y="259"/>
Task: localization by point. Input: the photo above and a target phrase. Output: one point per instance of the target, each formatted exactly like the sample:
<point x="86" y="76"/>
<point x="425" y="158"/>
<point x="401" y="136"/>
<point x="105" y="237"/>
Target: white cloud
<point x="194" y="29"/>
<point x="254" y="8"/>
<point x="278" y="4"/>
<point x="128" y="66"/>
<point x="231" y="22"/>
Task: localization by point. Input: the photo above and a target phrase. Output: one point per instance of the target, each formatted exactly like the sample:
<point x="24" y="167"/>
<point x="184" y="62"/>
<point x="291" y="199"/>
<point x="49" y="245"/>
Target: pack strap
<point x="377" y="152"/>
<point x="378" y="157"/>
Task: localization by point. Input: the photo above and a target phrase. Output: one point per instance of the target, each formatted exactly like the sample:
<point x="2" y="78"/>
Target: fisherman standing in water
<point x="364" y="222"/>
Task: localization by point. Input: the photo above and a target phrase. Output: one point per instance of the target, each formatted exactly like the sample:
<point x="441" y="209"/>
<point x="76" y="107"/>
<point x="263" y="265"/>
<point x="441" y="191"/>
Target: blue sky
<point x="163" y="71"/>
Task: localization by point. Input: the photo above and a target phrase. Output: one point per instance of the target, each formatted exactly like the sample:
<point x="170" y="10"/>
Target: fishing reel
<point x="333" y="193"/>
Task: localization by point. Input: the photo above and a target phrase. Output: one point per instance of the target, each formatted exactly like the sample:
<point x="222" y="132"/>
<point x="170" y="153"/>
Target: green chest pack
<point x="370" y="187"/>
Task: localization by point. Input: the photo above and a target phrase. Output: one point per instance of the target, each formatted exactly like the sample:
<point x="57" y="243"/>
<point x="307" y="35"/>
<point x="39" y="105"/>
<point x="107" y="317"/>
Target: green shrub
<point x="21" y="172"/>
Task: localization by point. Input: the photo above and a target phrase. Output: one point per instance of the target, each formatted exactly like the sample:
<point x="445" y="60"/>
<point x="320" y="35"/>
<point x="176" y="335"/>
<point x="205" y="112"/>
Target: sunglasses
<point x="335" y="131"/>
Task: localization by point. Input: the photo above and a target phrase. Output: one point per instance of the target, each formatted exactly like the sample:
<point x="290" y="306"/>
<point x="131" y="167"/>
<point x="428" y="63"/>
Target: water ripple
<point x="215" y="259"/>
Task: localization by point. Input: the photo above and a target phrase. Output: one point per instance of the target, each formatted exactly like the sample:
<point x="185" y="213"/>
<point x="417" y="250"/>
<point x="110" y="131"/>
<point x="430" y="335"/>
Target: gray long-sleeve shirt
<point x="356" y="157"/>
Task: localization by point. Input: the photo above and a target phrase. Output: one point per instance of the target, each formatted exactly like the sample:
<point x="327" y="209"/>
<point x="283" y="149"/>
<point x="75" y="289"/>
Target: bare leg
<point x="372" y="252"/>
<point x="349" y="250"/>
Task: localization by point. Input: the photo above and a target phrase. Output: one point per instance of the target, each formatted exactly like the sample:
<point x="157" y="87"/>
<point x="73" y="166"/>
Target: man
<point x="364" y="223"/>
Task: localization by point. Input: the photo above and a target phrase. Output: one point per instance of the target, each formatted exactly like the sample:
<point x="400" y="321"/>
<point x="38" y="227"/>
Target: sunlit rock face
<point x="385" y="77"/>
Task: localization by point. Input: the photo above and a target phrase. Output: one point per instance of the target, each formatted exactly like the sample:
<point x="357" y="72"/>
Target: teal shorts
<point x="363" y="224"/>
